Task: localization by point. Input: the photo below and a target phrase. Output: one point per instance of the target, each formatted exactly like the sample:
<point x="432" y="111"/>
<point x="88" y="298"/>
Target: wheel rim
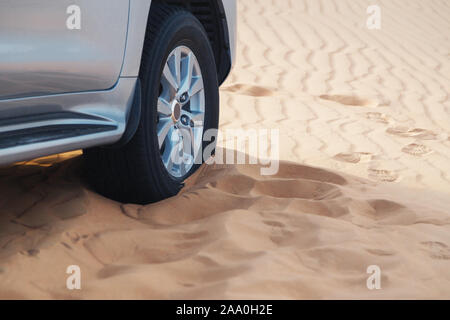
<point x="181" y="111"/>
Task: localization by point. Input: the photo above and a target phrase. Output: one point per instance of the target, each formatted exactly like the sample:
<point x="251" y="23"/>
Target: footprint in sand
<point x="383" y="175"/>
<point x="437" y="250"/>
<point x="380" y="252"/>
<point x="275" y="224"/>
<point x="413" y="133"/>
<point x="378" y="117"/>
<point x="352" y="101"/>
<point x="354" y="157"/>
<point x="249" y="90"/>
<point x="417" y="150"/>
<point x="30" y="252"/>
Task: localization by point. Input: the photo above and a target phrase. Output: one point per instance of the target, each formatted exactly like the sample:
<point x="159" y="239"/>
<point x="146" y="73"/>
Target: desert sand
<point x="364" y="120"/>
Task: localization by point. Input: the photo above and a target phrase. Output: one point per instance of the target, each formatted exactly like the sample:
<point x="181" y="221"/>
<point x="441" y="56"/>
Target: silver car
<point x="134" y="83"/>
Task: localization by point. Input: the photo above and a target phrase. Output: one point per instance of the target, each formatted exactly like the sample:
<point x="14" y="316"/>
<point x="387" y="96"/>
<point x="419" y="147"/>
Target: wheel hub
<point x="176" y="111"/>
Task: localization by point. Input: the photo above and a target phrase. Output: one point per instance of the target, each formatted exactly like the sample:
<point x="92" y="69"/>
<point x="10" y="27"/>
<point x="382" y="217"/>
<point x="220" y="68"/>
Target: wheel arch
<point x="212" y="15"/>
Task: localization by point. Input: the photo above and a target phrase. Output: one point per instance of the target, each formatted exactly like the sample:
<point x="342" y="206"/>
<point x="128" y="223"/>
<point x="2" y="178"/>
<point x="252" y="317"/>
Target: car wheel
<point x="180" y="101"/>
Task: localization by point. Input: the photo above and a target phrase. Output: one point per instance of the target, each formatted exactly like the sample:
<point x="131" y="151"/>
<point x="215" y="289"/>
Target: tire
<point x="136" y="173"/>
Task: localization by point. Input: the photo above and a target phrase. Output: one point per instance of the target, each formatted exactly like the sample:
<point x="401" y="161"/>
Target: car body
<point x="69" y="70"/>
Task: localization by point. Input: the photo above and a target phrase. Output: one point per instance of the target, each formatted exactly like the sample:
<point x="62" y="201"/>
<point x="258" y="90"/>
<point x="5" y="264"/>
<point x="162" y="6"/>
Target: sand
<point x="364" y="123"/>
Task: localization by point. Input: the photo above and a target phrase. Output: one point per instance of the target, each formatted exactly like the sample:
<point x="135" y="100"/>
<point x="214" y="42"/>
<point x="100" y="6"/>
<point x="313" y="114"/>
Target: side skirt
<point x="35" y="127"/>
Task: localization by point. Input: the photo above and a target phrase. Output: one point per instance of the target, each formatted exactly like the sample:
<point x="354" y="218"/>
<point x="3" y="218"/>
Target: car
<point x="133" y="83"/>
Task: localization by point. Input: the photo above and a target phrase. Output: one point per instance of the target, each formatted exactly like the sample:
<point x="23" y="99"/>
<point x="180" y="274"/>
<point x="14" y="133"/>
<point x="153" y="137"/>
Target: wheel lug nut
<point x="184" y="97"/>
<point x="184" y="120"/>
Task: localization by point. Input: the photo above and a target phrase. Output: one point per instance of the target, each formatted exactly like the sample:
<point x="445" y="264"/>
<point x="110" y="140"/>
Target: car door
<point x="60" y="46"/>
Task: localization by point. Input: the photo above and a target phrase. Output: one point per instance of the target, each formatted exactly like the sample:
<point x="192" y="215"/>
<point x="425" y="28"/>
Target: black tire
<point x="135" y="172"/>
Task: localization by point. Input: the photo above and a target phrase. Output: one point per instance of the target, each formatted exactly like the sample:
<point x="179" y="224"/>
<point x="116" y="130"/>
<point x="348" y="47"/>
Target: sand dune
<point x="365" y="141"/>
<point x="312" y="69"/>
<point x="303" y="233"/>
